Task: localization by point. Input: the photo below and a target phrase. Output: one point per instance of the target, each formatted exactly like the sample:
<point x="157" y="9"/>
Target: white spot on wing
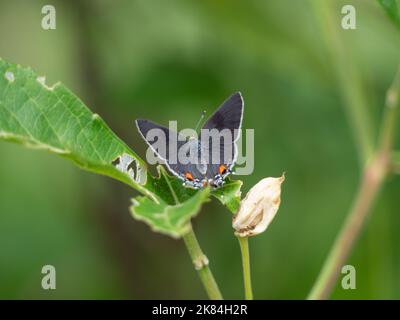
<point x="9" y="76"/>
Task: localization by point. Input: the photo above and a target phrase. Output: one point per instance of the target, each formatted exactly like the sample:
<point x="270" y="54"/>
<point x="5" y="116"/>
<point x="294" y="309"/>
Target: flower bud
<point x="258" y="208"/>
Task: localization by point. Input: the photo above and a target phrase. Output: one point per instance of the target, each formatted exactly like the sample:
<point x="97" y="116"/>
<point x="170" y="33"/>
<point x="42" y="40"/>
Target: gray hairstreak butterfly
<point x="210" y="157"/>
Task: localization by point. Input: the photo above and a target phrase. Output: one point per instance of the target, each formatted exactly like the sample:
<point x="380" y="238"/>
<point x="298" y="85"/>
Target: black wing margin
<point x="228" y="116"/>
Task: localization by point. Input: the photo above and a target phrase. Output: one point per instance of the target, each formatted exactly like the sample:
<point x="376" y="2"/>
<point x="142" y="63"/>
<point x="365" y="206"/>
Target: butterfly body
<point x="207" y="160"/>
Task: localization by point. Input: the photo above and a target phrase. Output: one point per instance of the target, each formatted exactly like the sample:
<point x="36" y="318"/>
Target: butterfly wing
<point x="162" y="148"/>
<point x="227" y="117"/>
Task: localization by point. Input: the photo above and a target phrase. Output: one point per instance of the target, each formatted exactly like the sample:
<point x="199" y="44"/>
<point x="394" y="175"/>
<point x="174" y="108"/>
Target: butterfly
<point x="205" y="160"/>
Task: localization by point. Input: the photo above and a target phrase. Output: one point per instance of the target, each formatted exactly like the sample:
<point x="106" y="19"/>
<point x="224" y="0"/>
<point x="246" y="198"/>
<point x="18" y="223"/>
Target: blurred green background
<point x="167" y="60"/>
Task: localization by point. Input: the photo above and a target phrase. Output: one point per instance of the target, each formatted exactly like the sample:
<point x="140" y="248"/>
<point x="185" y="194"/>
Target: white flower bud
<point x="258" y="208"/>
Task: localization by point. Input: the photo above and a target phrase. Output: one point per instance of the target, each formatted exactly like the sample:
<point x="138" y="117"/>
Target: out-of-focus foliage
<point x="392" y="10"/>
<point x="169" y="60"/>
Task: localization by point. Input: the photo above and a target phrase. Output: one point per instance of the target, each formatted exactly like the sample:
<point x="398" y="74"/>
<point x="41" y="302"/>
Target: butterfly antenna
<point x="203" y="114"/>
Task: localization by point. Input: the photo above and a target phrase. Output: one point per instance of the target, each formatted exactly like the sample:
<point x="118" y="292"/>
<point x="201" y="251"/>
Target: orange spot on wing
<point x="222" y="169"/>
<point x="188" y="176"/>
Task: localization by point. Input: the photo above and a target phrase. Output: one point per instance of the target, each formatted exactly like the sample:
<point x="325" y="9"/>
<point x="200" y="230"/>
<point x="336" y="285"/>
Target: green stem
<point x="370" y="184"/>
<point x="396" y="162"/>
<point x="199" y="259"/>
<point x="390" y="117"/>
<point x="373" y="178"/>
<point x="244" y="248"/>
<point x="200" y="263"/>
<point x="348" y="78"/>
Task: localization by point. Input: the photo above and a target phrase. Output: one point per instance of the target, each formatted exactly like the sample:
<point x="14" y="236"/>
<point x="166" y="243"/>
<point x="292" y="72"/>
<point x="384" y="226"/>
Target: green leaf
<point x="161" y="187"/>
<point x="229" y="195"/>
<point x="391" y="9"/>
<point x="53" y="118"/>
<point x="174" y="206"/>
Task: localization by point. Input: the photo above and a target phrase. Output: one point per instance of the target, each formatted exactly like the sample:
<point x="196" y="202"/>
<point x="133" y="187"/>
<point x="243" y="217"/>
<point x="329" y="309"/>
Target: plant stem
<point x="244" y="248"/>
<point x="370" y="184"/>
<point x="348" y="78"/>
<point x="372" y="179"/>
<point x="390" y="117"/>
<point x="200" y="263"/>
<point x="199" y="259"/>
<point x="396" y="162"/>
